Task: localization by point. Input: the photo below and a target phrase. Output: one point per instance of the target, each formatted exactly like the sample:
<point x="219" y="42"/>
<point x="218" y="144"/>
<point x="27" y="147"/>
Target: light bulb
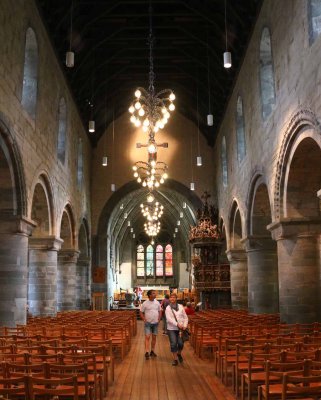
<point x="145" y="129"/>
<point x="181" y="214"/>
<point x="199" y="161"/>
<point x="141" y="112"/>
<point x="150" y="198"/>
<point x="136" y="174"/>
<point x="137" y="123"/>
<point x="165" y="176"/>
<point x="153" y="171"/>
<point x="178" y="222"/>
<point x="137" y="105"/>
<point x="172" y="97"/>
<point x="151" y="148"/>
<point x="138" y="93"/>
<point x="134" y="168"/>
<point x="164" y="110"/>
<point x="105" y="161"/>
<point x="144" y="183"/>
<point x="171" y="107"/>
<point x="146" y="122"/>
<point x="184" y="204"/>
<point x="131" y="109"/>
<point x="153" y="163"/>
<point x="113" y="187"/>
<point x="139" y="180"/>
<point x="132" y="119"/>
<point x="157" y="184"/>
<point x="161" y="180"/>
<point x="192" y="186"/>
<point x="210" y="120"/>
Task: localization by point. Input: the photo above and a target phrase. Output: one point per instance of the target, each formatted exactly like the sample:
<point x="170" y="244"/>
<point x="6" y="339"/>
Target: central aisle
<point x="156" y="379"/>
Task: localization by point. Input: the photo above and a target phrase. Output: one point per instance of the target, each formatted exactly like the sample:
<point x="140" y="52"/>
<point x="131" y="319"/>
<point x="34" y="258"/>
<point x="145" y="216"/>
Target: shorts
<point x="151" y="328"/>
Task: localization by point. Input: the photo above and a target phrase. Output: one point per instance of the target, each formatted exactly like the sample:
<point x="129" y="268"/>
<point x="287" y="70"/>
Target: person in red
<point x="189" y="309"/>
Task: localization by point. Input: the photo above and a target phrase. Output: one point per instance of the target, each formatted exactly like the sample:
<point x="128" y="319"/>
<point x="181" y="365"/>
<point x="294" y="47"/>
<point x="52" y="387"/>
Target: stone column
<point x="66" y="279"/>
<point x="82" y="283"/>
<point x="14" y="233"/>
<point x="263" y="280"/>
<point x="239" y="278"/>
<point x="42" y="290"/>
<point x="299" y="268"/>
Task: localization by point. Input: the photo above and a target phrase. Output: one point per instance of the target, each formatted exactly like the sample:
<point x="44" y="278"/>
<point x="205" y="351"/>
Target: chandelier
<point x="149" y="109"/>
<point x="152" y="228"/>
<point x="150" y="174"/>
<point x="152" y="213"/>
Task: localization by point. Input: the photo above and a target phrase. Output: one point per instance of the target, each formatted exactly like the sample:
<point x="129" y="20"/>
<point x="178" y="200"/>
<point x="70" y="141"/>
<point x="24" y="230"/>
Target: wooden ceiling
<point x="109" y="38"/>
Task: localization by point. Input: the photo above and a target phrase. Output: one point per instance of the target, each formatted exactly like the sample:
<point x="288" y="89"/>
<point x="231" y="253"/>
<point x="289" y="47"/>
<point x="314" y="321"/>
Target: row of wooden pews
<point x="72" y="347"/>
<point x="258" y="355"/>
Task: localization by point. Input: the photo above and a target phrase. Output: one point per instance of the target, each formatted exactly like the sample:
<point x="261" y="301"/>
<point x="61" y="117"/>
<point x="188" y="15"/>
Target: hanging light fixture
<point x="152" y="228"/>
<point x="192" y="186"/>
<point x="209" y="115"/>
<point x="152" y="213"/>
<point x="181" y="214"/>
<point x="113" y="186"/>
<point x="70" y="55"/>
<point x="184" y="204"/>
<point x="198" y="158"/>
<point x="227" y="56"/>
<point x="105" y="161"/>
<point x="149" y="109"/>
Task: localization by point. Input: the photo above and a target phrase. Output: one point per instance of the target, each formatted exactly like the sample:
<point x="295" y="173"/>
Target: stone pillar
<point x="66" y="279"/>
<point x="299" y="268"/>
<point x="239" y="278"/>
<point x="14" y="233"/>
<point x="263" y="279"/>
<point x="82" y="283"/>
<point x="42" y="290"/>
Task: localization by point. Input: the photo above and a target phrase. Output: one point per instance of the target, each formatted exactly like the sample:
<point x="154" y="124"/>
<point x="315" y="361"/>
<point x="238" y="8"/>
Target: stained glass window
<point x="159" y="260"/>
<point x="150" y="260"/>
<point x="140" y="261"/>
<point x="168" y="260"/>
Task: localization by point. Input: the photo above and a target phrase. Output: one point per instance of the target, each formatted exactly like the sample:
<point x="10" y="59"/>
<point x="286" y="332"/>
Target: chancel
<point x="151" y="148"/>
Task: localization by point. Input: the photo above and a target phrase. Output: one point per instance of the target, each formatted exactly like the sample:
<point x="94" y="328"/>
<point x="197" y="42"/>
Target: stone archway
<point x="261" y="252"/>
<point x="298" y="228"/>
<point x="67" y="259"/>
<point x="14" y="232"/>
<point x="238" y="260"/>
<point x="83" y="268"/>
<point x="114" y="232"/>
<point x="43" y="248"/>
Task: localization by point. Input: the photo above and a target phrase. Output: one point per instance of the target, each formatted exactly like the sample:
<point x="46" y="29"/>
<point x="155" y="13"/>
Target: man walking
<point x="151" y="314"/>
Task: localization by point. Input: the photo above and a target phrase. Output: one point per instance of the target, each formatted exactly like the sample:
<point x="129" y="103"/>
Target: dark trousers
<point x="175" y="341"/>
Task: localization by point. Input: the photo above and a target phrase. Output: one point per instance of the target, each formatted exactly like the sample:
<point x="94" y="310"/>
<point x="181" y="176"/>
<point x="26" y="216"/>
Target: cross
<point x="205" y="196"/>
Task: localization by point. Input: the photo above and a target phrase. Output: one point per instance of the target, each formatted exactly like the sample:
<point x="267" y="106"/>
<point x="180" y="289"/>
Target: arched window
<point x="30" y="74"/>
<point x="240" y="130"/>
<point x="314" y="13"/>
<point x="140" y="261"/>
<point x="150" y="260"/>
<point x="148" y="257"/>
<point x="224" y="161"/>
<point x="80" y="162"/>
<point x="168" y="260"/>
<point x="266" y="74"/>
<point x="62" y="129"/>
<point x="159" y="260"/>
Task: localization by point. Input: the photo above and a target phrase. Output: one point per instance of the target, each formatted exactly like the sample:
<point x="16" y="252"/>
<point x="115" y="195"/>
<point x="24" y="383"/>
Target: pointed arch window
<point x="62" y="129"/>
<point x="168" y="260"/>
<point x="30" y="74"/>
<point x="314" y="13"/>
<point x="154" y="261"/>
<point x="240" y="130"/>
<point x="266" y="74"/>
<point x="224" y="161"/>
<point x="80" y="162"/>
<point x="140" y="261"/>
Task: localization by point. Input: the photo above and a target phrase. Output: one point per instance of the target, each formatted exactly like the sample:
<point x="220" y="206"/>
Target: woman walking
<point x="177" y="321"/>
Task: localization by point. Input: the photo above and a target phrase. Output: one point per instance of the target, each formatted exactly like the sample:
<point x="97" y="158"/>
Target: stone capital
<point x="258" y="242"/>
<point x="16" y="224"/>
<point x="295" y="227"/>
<point x="235" y="255"/>
<point x="68" y="256"/>
<point x="45" y="243"/>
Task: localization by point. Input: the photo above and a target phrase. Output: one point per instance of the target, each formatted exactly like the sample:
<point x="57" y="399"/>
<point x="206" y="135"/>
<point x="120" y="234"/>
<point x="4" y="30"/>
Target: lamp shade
<point x="105" y="161"/>
<point x="199" y="161"/>
<point x="70" y="59"/>
<point x="113" y="187"/>
<point x="192" y="186"/>
<point x="210" y="119"/>
<point x="227" y="57"/>
<point x="91" y="126"/>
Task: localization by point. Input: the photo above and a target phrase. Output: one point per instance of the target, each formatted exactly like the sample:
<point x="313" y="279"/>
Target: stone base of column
<point x="239" y="278"/>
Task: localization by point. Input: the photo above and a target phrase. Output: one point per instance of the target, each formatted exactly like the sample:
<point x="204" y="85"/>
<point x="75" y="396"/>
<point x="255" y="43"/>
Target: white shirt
<point x="151" y="310"/>
<point x="181" y="317"/>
